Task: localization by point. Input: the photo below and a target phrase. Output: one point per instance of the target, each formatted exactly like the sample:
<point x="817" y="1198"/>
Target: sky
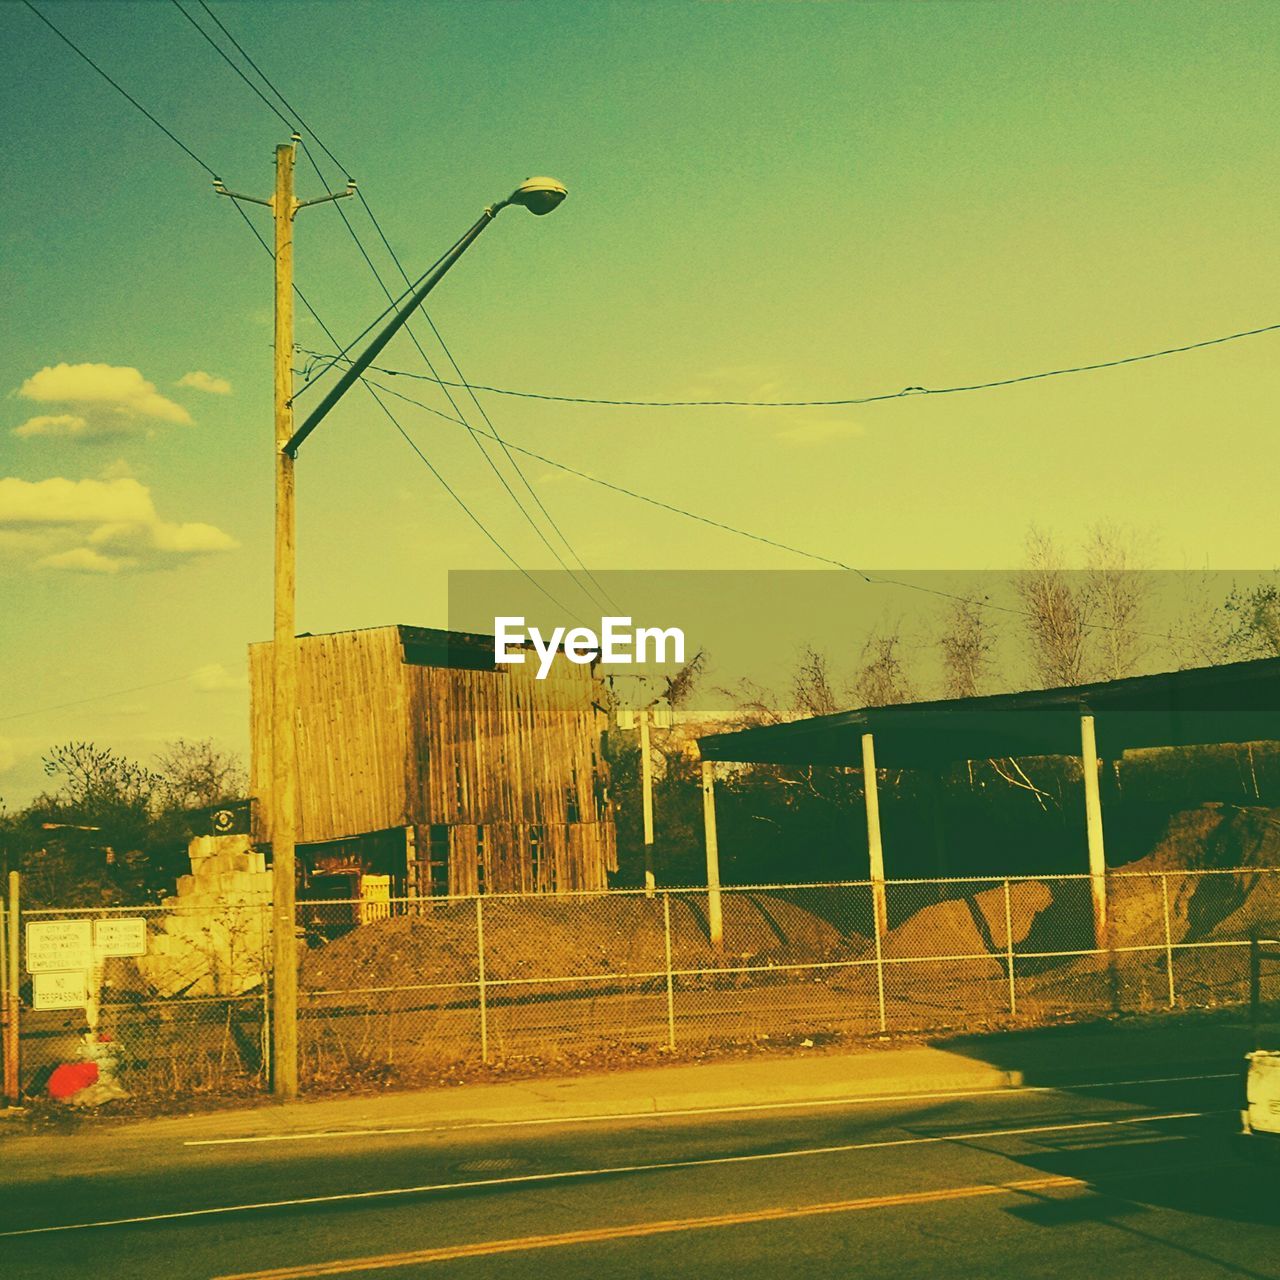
<point x="767" y="201"/>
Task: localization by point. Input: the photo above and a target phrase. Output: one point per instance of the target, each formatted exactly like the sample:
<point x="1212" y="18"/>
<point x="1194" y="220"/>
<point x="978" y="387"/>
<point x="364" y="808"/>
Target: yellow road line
<point x="519" y="1244"/>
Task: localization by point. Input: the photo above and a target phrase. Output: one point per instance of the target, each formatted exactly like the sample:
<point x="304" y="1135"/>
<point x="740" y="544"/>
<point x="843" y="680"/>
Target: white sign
<point x="126" y="936"/>
<point x="59" y="945"/>
<point x="58" y="990"/>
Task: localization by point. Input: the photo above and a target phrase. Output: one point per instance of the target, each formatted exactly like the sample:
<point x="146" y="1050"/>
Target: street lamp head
<point x="539" y="195"/>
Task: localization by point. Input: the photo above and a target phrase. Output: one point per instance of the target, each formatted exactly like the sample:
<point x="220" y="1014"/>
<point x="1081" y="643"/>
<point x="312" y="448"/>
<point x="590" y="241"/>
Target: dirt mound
<point x="973" y="925"/>
<point x="1214" y="837"/>
<point x="558" y="937"/>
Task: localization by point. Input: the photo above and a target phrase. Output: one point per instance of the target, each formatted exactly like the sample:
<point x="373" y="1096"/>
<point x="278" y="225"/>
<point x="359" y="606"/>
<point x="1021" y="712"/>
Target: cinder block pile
<point x="214" y="937"/>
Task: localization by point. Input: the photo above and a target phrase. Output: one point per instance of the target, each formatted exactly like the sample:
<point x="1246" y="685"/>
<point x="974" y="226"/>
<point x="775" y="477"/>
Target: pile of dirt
<point x="973" y="925"/>
<point x="557" y="937"/>
<point x="1214" y="837"/>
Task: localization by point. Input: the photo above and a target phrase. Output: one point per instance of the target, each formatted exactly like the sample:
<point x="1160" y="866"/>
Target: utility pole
<point x="284" y="655"/>
<point x="540" y="196"/>
<point x="284" y="659"/>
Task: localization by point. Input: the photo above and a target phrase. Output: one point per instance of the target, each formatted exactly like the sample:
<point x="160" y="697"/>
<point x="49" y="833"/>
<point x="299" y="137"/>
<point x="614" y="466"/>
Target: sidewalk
<point x="1053" y="1056"/>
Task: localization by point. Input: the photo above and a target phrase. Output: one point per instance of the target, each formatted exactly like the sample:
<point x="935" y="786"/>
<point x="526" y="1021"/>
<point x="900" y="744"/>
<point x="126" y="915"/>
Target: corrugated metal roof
<point x="1233" y="702"/>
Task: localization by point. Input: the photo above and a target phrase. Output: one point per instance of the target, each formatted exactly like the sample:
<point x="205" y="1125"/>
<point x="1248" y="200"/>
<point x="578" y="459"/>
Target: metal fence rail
<point x="422" y="986"/>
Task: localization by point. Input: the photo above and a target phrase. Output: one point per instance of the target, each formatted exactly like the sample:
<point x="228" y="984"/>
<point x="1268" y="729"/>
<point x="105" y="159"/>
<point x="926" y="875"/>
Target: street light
<point x="540" y="196"/>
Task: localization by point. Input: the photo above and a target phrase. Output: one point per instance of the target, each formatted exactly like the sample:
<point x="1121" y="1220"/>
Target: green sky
<point x="767" y="201"/>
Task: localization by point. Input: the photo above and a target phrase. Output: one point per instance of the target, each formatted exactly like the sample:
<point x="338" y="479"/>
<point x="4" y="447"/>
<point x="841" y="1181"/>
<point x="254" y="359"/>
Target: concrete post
<point x="875" y="849"/>
<point x="715" y="920"/>
<point x="1093" y="825"/>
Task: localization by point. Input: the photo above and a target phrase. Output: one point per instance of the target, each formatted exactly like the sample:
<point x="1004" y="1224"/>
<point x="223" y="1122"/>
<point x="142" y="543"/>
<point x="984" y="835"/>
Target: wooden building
<point x="421" y="760"/>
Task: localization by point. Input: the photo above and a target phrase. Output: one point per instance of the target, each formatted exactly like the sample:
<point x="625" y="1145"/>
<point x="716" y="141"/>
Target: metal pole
<point x="1008" y="949"/>
<point x="1168" y="937"/>
<point x="388" y="331"/>
<point x="671" y="993"/>
<point x="875" y="848"/>
<point x="284" y="668"/>
<point x="13" y="1047"/>
<point x="879" y="970"/>
<point x="1093" y="824"/>
<point x="715" y="919"/>
<point x="8" y="1086"/>
<point x="646" y="790"/>
<point x="484" y="1004"/>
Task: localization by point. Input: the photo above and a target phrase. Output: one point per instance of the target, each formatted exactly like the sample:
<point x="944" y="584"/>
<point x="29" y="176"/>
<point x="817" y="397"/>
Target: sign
<point x="123" y="936"/>
<point x="235" y="818"/>
<point x="59" y="946"/>
<point x="58" y="990"/>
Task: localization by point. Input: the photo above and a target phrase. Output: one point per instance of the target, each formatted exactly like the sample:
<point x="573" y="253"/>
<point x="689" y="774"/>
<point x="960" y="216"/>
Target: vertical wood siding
<point x="500" y="758"/>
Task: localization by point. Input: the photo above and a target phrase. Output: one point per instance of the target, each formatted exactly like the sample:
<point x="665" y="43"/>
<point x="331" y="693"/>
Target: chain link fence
<point x="187" y="1012"/>
<point x="417" y="989"/>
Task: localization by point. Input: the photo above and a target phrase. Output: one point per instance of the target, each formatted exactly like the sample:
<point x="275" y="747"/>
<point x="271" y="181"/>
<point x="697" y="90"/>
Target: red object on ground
<point x="71" y="1077"/>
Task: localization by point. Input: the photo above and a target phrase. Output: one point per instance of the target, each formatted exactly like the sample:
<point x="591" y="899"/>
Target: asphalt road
<point x="1119" y="1182"/>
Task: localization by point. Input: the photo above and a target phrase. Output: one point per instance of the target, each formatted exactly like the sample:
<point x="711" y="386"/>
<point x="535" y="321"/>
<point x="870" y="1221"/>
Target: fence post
<point x="7" y="1089"/>
<point x="12" y="1045"/>
<point x="484" y="1010"/>
<point x="879" y="965"/>
<point x="1008" y="949"/>
<point x="671" y="993"/>
<point x="1168" y="936"/>
<point x="715" y="919"/>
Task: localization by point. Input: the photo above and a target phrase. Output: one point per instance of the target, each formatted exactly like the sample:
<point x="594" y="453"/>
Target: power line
<point x="97" y="697"/>
<point x="847" y="400"/>
<point x="75" y="48"/>
<point x="271" y="106"/>
<point x="301" y="296"/>
<point x="870" y="579"/>
<point x="493" y="432"/>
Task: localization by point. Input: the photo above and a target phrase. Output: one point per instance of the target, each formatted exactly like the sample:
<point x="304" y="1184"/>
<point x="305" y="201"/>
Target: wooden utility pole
<point x="539" y="196"/>
<point x="646" y="789"/>
<point x="284" y="660"/>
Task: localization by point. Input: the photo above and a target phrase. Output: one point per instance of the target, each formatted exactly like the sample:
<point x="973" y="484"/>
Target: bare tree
<point x="1249" y="622"/>
<point x="812" y="691"/>
<point x="95" y="780"/>
<point x="1117" y="593"/>
<point x="1056" y="612"/>
<point x="194" y="775"/>
<point x="882" y="678"/>
<point x="966" y="644"/>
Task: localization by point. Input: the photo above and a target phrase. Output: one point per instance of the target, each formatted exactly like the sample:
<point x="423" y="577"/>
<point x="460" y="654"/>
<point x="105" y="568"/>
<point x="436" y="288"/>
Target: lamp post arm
<point x="388" y="331"/>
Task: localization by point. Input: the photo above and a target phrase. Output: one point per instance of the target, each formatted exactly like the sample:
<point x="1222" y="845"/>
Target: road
<point x="1126" y="1181"/>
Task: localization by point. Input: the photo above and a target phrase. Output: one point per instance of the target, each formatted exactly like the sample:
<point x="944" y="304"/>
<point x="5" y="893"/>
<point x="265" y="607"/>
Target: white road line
<point x="859" y="1100"/>
<point x="657" y="1166"/>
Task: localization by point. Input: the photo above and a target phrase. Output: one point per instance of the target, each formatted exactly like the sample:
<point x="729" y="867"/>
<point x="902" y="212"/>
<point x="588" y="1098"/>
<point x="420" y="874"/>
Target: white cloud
<point x="820" y="432"/>
<point x="189" y="539"/>
<point x="57" y="426"/>
<point x="215" y="678"/>
<point x="198" y="380"/>
<point x="162" y="535"/>
<point x="98" y="526"/>
<point x="61" y="501"/>
<point x="117" y="470"/>
<point x="85" y="560"/>
<point x="101" y="401"/>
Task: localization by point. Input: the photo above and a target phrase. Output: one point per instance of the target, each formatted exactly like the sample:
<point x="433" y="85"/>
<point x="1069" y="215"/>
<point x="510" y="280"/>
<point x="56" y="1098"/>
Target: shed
<point x="421" y="759"/>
